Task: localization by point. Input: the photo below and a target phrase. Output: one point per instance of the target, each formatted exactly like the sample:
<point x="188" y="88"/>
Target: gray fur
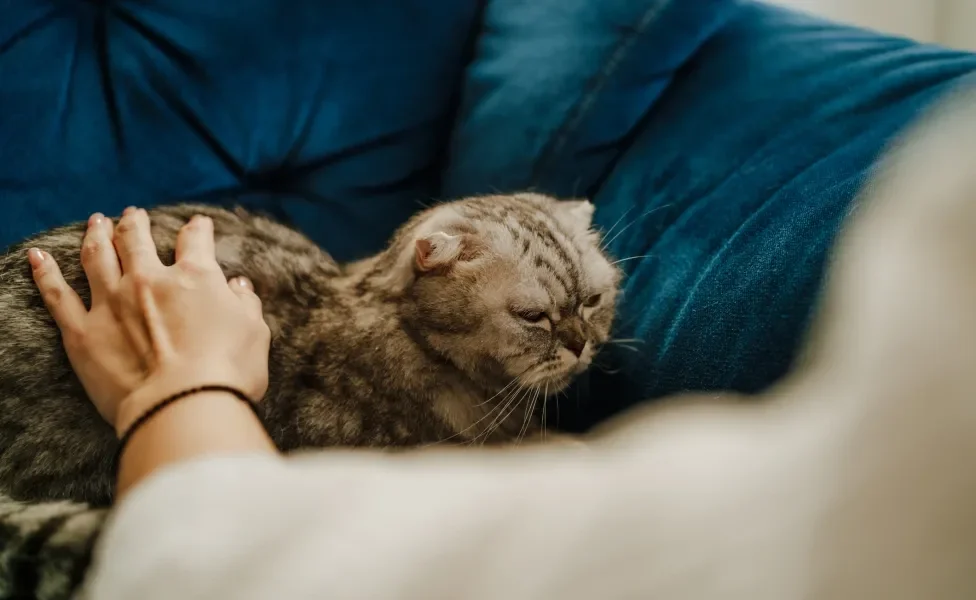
<point x="414" y="346"/>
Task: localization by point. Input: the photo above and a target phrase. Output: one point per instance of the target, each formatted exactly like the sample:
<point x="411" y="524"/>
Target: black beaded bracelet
<point x="156" y="408"/>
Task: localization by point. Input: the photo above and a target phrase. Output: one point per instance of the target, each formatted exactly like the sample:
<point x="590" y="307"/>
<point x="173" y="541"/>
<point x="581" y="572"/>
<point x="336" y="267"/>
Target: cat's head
<point x="507" y="287"/>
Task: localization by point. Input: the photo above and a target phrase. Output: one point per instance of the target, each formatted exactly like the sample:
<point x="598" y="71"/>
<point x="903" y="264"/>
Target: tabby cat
<point x="476" y="312"/>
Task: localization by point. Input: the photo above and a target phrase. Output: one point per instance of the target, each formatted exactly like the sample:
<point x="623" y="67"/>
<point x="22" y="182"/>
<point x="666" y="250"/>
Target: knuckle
<point x="140" y="279"/>
<point x="74" y="337"/>
<point x="193" y="266"/>
<point x="52" y="292"/>
<point x="91" y="248"/>
<point x="125" y="226"/>
<point x="263" y="329"/>
<point x="116" y="303"/>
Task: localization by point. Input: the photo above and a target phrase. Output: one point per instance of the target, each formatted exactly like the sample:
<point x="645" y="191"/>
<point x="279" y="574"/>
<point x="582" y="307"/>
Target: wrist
<point x="163" y="384"/>
<point x="180" y="426"/>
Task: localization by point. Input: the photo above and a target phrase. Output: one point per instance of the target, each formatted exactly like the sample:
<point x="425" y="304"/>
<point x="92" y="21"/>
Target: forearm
<point x="198" y="425"/>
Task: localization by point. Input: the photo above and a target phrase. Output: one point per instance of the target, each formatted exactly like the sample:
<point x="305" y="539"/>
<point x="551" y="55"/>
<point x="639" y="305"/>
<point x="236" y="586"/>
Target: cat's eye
<point x="532" y="316"/>
<point x="592" y="301"/>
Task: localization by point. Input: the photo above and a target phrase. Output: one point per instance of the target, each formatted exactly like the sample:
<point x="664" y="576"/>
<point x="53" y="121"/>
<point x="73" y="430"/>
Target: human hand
<point x="154" y="330"/>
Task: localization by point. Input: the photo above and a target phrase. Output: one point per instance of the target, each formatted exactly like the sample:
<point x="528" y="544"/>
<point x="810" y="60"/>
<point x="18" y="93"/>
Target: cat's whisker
<point x="617" y="222"/>
<point x="526" y="421"/>
<point x="617" y="262"/>
<point x="628" y="347"/>
<point x="499" y="408"/>
<point x="508" y="385"/>
<point x="545" y="399"/>
<point x="535" y="399"/>
<point x="487" y="414"/>
<point x="556" y="402"/>
<point x="529" y="416"/>
<point x="500" y="417"/>
<point x="647" y="213"/>
<point x="515" y="407"/>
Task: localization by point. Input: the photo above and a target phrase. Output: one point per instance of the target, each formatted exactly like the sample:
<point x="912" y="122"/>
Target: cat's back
<point x="52" y="441"/>
<point x="282" y="263"/>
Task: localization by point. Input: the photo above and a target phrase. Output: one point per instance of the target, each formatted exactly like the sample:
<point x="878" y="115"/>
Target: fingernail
<point x="129" y="210"/>
<point x="96" y="219"/>
<point x="244" y="282"/>
<point x="36" y="257"/>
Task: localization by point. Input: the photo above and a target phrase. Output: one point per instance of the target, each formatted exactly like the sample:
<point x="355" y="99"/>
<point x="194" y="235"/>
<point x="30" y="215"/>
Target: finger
<point x="195" y="243"/>
<point x="62" y="302"/>
<point x="244" y="289"/>
<point x="133" y="240"/>
<point x="99" y="258"/>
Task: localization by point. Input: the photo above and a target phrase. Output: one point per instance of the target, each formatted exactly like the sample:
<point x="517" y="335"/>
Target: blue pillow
<point x="330" y="114"/>
<point x="557" y="88"/>
<point x="726" y="203"/>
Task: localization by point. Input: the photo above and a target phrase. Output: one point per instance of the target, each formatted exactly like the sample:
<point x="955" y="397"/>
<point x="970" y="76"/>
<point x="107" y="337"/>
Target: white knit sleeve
<point x="610" y="523"/>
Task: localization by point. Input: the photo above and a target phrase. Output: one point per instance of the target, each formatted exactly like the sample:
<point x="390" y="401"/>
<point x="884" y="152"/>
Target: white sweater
<point x="711" y="504"/>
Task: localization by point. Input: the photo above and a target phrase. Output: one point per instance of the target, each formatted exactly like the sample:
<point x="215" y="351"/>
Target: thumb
<point x="244" y="289"/>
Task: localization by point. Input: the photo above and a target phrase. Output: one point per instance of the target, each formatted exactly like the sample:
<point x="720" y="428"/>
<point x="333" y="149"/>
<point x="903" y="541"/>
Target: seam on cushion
<point x="27" y="30"/>
<point x="596" y="85"/>
<point x="106" y="80"/>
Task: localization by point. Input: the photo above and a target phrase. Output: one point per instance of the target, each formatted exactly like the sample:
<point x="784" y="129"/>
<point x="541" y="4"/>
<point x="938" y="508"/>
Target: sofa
<point x="722" y="141"/>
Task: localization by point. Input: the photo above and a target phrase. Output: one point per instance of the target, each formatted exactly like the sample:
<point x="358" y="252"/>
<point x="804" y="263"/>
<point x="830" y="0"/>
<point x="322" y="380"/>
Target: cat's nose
<point x="570" y="333"/>
<point x="575" y="346"/>
<point x="572" y="338"/>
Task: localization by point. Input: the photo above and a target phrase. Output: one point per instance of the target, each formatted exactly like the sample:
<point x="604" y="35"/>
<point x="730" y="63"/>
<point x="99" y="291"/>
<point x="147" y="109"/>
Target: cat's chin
<point x="555" y="383"/>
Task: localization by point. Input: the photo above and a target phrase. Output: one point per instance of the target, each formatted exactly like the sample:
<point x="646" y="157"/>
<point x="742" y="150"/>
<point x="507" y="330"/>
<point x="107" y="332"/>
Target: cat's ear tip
<point x="581" y="209"/>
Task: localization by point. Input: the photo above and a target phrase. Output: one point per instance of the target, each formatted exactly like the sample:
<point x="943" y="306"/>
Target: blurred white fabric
<point x="947" y="22"/>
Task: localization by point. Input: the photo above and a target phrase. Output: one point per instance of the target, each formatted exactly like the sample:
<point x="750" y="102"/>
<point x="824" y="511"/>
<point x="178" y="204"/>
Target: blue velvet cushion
<point x="726" y="203"/>
<point x="330" y="114"/>
<point x="557" y="87"/>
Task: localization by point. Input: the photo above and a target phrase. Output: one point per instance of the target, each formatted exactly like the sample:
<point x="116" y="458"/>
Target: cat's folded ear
<point x="438" y="250"/>
<point x="429" y="253"/>
<point x="576" y="214"/>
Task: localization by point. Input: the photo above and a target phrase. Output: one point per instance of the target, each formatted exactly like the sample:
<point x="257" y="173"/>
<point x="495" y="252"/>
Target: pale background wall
<point x="948" y="22"/>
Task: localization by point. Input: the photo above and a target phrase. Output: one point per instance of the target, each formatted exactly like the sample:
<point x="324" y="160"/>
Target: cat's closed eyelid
<point x="533" y="317"/>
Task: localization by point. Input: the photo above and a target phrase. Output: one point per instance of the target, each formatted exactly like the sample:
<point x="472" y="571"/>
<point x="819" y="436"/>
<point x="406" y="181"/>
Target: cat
<point x="476" y="312"/>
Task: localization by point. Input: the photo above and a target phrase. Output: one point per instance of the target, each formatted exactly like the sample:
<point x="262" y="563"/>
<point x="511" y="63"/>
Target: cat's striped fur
<point x="45" y="548"/>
